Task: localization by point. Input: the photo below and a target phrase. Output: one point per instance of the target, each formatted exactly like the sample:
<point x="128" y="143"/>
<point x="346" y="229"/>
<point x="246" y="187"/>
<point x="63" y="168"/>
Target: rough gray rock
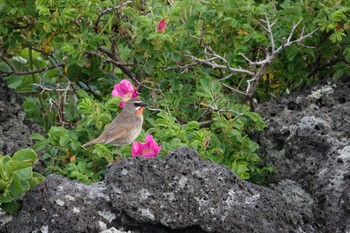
<point x="179" y="193"/>
<point x="59" y="205"/>
<point x="14" y="129"/>
<point x="182" y="191"/>
<point x="307" y="140"/>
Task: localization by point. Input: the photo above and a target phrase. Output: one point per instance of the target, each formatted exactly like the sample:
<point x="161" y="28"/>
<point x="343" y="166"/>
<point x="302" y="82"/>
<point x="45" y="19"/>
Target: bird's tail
<point x="94" y="141"/>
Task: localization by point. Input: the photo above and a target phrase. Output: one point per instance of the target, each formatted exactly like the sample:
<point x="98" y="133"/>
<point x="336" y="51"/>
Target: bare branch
<point x="121" y="66"/>
<point x="292" y="31"/>
<point x="8" y="73"/>
<point x="253" y="82"/>
<point x="268" y="28"/>
<point x="217" y="66"/>
<point x="184" y="68"/>
<point x="7" y="63"/>
<point x="58" y="88"/>
<point x="110" y="9"/>
<point x="258" y="68"/>
<point x="297" y="41"/>
<point x="233" y="89"/>
<point x="116" y="63"/>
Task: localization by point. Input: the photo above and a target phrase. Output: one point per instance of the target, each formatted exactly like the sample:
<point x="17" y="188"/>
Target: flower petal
<point x="161" y="26"/>
<point x="149" y="149"/>
<point x="125" y="90"/>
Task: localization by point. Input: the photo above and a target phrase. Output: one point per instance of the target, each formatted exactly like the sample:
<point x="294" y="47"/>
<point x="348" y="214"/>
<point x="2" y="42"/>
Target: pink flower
<point x="161" y="26"/>
<point x="149" y="149"/>
<point x="125" y="90"/>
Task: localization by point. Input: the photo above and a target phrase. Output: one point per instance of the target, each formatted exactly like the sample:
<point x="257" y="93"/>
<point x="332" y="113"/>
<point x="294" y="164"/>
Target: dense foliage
<point x="17" y="177"/>
<point x="201" y="65"/>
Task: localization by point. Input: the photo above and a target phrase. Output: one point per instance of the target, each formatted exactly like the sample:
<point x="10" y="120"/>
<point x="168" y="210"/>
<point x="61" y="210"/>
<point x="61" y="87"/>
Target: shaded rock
<point x="183" y="191"/>
<point x="179" y="193"/>
<point x="307" y="140"/>
<point x="61" y="205"/>
<point x="14" y="129"/>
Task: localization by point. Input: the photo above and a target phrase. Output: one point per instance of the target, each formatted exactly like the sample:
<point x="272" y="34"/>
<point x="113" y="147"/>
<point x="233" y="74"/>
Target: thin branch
<point x="268" y="28"/>
<point x="327" y="64"/>
<point x="7" y="73"/>
<point x="269" y="57"/>
<point x="299" y="40"/>
<point x="253" y="82"/>
<point x="110" y="9"/>
<point x="292" y="31"/>
<point x="125" y="70"/>
<point x="116" y="63"/>
<point x="58" y="88"/>
<point x="217" y="66"/>
<point x="184" y="68"/>
<point x="205" y="123"/>
<point x="233" y="89"/>
<point x="7" y="63"/>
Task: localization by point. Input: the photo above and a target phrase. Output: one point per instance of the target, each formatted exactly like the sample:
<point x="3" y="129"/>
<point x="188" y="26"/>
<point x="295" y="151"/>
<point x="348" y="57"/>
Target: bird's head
<point x="135" y="105"/>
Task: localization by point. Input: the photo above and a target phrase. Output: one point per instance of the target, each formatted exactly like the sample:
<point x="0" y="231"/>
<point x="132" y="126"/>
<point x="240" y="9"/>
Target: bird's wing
<point x="118" y="129"/>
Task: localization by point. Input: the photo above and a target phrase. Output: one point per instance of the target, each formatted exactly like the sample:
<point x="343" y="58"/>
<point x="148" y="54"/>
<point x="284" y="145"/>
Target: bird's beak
<point x="143" y="104"/>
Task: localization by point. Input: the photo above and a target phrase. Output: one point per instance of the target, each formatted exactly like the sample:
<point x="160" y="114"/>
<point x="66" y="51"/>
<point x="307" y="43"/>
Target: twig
<point x="217" y="66"/>
<point x="121" y="66"/>
<point x="270" y="56"/>
<point x="110" y="9"/>
<point x="7" y="73"/>
<point x="7" y="63"/>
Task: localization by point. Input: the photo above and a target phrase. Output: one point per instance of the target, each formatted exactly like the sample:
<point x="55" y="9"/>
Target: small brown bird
<point x="125" y="128"/>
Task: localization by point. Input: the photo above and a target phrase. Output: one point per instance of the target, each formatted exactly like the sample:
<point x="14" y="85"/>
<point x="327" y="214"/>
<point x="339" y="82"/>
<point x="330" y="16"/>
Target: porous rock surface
<point x="182" y="191"/>
<point x="179" y="193"/>
<point x="307" y="141"/>
<point x="62" y="205"/>
<point x="14" y="129"/>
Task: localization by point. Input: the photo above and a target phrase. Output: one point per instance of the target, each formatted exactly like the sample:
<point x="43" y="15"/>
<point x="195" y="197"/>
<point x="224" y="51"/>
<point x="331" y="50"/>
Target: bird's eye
<point x="138" y="103"/>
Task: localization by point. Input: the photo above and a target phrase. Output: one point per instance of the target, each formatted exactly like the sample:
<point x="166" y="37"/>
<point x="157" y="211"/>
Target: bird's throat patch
<point x="139" y="112"/>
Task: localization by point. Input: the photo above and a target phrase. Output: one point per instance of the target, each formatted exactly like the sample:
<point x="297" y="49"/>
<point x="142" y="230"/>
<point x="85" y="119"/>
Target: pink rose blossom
<point x="161" y="26"/>
<point x="125" y="90"/>
<point x="149" y="149"/>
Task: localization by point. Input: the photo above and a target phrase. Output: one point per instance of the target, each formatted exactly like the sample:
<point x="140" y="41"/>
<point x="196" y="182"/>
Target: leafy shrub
<point x="225" y="142"/>
<point x="17" y="177"/>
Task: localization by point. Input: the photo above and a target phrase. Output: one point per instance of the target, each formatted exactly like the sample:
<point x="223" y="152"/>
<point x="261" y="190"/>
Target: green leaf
<point x="14" y="165"/>
<point x="25" y="186"/>
<point x="3" y="185"/>
<point x="292" y="53"/>
<point x="36" y="136"/>
<point x="5" y="198"/>
<point x="192" y="125"/>
<point x="36" y="179"/>
<point x="64" y="140"/>
<point x="82" y="93"/>
<point x="39" y="146"/>
<point x="10" y="207"/>
<point x="81" y="166"/>
<point x="15" y="187"/>
<point x="113" y="103"/>
<point x="24" y="173"/>
<point x="242" y="170"/>
<point x="14" y="81"/>
<point x="244" y="175"/>
<point x="75" y="145"/>
<point x="25" y="155"/>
